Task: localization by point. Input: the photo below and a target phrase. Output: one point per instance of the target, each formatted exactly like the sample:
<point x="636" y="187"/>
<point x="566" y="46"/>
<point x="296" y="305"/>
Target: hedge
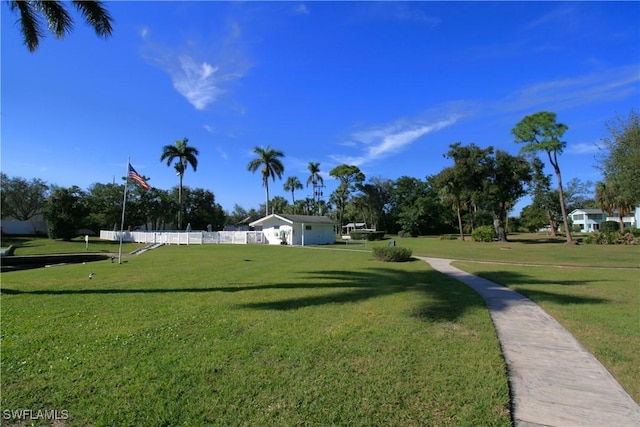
<point x="392" y="253"/>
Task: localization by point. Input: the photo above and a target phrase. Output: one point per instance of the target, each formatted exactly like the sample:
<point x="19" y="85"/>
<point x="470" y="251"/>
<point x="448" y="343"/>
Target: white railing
<point x="186" y="238"/>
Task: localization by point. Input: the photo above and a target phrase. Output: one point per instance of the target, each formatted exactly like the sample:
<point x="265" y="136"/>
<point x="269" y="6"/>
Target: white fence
<point x="187" y="238"/>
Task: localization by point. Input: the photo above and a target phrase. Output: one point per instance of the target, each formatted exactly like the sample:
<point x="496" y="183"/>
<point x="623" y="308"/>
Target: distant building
<point x="590" y="220"/>
<point x="298" y="230"/>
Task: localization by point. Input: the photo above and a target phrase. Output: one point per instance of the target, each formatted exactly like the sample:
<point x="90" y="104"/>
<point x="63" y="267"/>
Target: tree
<point x="533" y="218"/>
<point x="279" y="204"/>
<point x="201" y="209"/>
<point x="541" y="132"/>
<point x="316" y="180"/>
<point x="472" y="167"/>
<point x="610" y="198"/>
<point x="451" y="187"/>
<point x="350" y="177"/>
<point x="577" y="194"/>
<point x="64" y="212"/>
<point x="22" y="199"/>
<point x="292" y="184"/>
<point x="58" y="19"/>
<point x="375" y="200"/>
<point x="620" y="160"/>
<point x="544" y="199"/>
<point x="507" y="181"/>
<point x="270" y="165"/>
<point x="184" y="155"/>
<point x="104" y="204"/>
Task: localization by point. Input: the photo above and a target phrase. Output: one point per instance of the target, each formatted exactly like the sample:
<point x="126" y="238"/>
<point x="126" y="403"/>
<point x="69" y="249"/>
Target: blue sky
<point x="385" y="86"/>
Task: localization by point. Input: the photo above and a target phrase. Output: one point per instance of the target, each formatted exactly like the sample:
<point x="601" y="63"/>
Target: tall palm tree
<point x="58" y="19"/>
<point x="316" y="180"/>
<point x="292" y="184"/>
<point x="184" y="156"/>
<point x="270" y="165"/>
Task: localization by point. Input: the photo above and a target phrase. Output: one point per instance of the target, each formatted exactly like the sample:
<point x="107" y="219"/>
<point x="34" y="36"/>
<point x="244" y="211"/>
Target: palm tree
<point x="58" y="19"/>
<point x="292" y="184"/>
<point x="270" y="165"/>
<point x="315" y="179"/>
<point x="184" y="156"/>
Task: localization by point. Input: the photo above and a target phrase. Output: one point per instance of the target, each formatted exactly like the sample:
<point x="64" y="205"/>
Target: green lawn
<point x="255" y="335"/>
<point x="43" y="246"/>
<point x="250" y="335"/>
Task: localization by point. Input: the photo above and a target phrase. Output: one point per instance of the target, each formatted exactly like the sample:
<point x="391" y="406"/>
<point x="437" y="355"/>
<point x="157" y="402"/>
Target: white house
<point x="590" y="219"/>
<point x="299" y="230"/>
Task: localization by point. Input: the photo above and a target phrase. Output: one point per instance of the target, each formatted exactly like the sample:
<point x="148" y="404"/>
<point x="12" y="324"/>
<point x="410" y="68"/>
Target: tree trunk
<point x="460" y="222"/>
<point x="563" y="209"/>
<point x="497" y="224"/>
<point x="552" y="223"/>
<point x="180" y="204"/>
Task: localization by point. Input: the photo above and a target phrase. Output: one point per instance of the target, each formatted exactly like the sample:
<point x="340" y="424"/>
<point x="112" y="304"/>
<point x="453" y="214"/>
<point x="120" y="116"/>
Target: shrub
<point x="635" y="232"/>
<point x="610" y="226"/>
<point x="485" y="233"/>
<point x="392" y="254"/>
<point x="611" y="238"/>
<point x="405" y="233"/>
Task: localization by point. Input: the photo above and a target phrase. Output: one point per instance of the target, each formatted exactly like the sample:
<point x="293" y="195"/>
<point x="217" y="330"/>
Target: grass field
<point x="250" y="335"/>
<point x="254" y="335"/>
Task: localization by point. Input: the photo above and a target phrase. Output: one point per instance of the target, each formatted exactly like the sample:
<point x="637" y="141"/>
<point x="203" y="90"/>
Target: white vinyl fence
<point x="187" y="238"/>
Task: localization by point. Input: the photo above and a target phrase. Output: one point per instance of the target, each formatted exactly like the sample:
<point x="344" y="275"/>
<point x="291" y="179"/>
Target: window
<point x="307" y="227"/>
<point x="276" y="227"/>
<point x="578" y="217"/>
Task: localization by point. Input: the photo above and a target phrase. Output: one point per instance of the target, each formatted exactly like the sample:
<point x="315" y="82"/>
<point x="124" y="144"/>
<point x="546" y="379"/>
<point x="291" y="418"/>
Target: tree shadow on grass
<point x="543" y="287"/>
<point x="441" y="298"/>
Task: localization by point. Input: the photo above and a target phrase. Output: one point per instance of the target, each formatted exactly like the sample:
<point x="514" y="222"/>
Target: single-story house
<point x="590" y="219"/>
<point x="301" y="230"/>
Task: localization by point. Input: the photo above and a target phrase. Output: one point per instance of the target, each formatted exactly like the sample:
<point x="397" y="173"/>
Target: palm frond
<point x="96" y="15"/>
<point x="29" y="24"/>
<point x="58" y="19"/>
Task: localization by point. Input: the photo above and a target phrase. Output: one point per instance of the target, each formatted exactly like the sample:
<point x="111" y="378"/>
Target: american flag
<point x="138" y="178"/>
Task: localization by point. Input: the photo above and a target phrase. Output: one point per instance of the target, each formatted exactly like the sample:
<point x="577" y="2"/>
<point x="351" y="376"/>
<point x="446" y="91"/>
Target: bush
<point x="610" y="227"/>
<point x="635" y="232"/>
<point x="485" y="233"/>
<point x="392" y="254"/>
<point x="611" y="238"/>
<point x="405" y="233"/>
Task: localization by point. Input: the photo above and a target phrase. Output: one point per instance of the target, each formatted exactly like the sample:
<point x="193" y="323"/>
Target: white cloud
<point x="222" y="153"/>
<point x="565" y="93"/>
<point x="198" y="73"/>
<point x="196" y="81"/>
<point x="381" y="142"/>
<point x="582" y="148"/>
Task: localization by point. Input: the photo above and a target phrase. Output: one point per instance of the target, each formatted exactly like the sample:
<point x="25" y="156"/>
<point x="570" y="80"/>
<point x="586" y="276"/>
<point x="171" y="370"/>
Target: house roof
<point x="306" y="219"/>
<point x="587" y="211"/>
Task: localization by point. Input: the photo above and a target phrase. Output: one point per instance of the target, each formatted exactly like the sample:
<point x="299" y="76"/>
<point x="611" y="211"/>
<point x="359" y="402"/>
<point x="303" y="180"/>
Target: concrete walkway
<point x="554" y="380"/>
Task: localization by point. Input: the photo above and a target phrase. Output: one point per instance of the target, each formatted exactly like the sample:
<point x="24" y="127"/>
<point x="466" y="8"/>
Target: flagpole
<point x="124" y="204"/>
